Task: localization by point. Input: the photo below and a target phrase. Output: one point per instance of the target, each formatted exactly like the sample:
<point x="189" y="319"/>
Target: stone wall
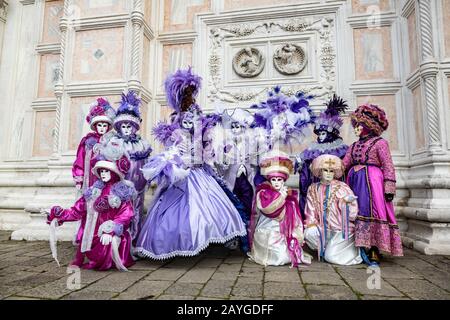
<point x="62" y="54"/>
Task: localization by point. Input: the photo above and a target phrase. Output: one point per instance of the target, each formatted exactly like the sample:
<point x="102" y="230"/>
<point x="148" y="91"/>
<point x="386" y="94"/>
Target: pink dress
<point x="371" y="175"/>
<point x="81" y="169"/>
<point x="98" y="217"/>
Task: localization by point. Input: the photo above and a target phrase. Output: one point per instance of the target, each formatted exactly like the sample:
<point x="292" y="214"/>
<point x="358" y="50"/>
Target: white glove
<point x="350" y="198"/>
<point x="78" y="186"/>
<point x="106" y="239"/>
<point x="241" y="170"/>
<point x="284" y="191"/>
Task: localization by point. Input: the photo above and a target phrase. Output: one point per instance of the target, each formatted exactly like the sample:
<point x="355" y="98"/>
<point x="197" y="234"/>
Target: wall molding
<point x="48" y="48"/>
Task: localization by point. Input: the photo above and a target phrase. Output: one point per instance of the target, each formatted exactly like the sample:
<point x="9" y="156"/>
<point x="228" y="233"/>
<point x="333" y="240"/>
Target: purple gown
<point x="187" y="216"/>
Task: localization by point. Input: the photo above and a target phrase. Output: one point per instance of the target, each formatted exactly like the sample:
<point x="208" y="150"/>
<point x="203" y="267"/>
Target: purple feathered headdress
<point x="176" y="84"/>
<point x="128" y="110"/>
<point x="284" y="117"/>
<point x="330" y="119"/>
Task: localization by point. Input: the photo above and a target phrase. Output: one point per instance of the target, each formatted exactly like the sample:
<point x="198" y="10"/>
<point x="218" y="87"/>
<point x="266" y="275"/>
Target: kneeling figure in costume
<point x="276" y="223"/>
<point x="106" y="211"/>
<point x="330" y="211"/>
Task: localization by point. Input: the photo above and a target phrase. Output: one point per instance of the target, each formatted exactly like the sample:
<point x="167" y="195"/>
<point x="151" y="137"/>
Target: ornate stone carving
<point x="324" y="28"/>
<point x="59" y="86"/>
<point x="248" y="62"/>
<point x="429" y="75"/>
<point x="3" y="10"/>
<point x="289" y="59"/>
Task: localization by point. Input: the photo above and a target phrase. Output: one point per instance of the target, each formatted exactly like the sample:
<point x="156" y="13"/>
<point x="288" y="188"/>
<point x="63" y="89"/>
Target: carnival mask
<point x="236" y="128"/>
<point x="327" y="175"/>
<point x="126" y="129"/>
<point x="358" y="129"/>
<point x="102" y="127"/>
<point x="187" y="124"/>
<point x="105" y="175"/>
<point x="277" y="183"/>
<point x="322" y="136"/>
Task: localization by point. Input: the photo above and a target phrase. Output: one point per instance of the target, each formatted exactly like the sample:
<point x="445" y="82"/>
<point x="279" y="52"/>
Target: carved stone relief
<point x="325" y="84"/>
<point x="3" y="10"/>
<point x="289" y="59"/>
<point x="248" y="62"/>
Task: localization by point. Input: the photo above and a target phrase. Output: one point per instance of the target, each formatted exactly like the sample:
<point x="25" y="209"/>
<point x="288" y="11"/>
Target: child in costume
<point x="276" y="226"/>
<point x="191" y="210"/>
<point x="106" y="211"/>
<point x="330" y="211"/>
<point x="127" y="123"/>
<point x="100" y="118"/>
<point x="371" y="175"/>
<point x="326" y="127"/>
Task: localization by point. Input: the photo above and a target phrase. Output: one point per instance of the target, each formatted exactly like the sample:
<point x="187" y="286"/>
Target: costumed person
<point x="330" y="211"/>
<point x="371" y="176"/>
<point x="190" y="210"/>
<point x="235" y="156"/>
<point x="100" y="118"/>
<point x="284" y="119"/>
<point x="327" y="128"/>
<point x="105" y="211"/>
<point x="127" y="123"/>
<point x="276" y="235"/>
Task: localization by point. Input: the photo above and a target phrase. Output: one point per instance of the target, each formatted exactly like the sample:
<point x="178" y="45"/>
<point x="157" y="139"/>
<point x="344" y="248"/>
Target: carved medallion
<point x="248" y="62"/>
<point x="290" y="59"/>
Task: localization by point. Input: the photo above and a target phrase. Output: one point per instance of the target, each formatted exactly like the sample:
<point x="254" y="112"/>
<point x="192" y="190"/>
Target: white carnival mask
<point x="277" y="183"/>
<point x="236" y="128"/>
<point x="126" y="129"/>
<point x="105" y="175"/>
<point x="327" y="175"/>
<point x="102" y="127"/>
<point x="358" y="130"/>
<point x="187" y="124"/>
<point x="322" y="136"/>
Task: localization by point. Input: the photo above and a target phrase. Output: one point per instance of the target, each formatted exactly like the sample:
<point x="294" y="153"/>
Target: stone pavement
<point x="27" y="271"/>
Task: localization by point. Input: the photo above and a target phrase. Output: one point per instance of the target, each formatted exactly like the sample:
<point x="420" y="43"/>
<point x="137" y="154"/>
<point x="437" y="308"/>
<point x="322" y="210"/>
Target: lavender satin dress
<point x="187" y="217"/>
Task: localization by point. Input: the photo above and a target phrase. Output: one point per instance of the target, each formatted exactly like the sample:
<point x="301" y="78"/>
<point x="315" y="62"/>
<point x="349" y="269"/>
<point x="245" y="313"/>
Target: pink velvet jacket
<point x="340" y="215"/>
<point x="100" y="256"/>
<point x="374" y="151"/>
<point x="81" y="169"/>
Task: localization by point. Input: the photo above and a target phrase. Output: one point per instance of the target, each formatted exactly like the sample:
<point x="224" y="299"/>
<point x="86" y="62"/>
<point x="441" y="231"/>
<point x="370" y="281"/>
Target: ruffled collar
<point x="130" y="138"/>
<point x="337" y="147"/>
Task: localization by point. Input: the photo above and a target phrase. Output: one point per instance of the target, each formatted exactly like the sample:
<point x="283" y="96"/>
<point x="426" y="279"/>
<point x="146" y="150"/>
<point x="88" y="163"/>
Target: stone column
<point x="3" y="14"/>
<point x="428" y="207"/>
<point x="57" y="186"/>
<point x="59" y="87"/>
<point x="429" y="71"/>
<point x="137" y="20"/>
